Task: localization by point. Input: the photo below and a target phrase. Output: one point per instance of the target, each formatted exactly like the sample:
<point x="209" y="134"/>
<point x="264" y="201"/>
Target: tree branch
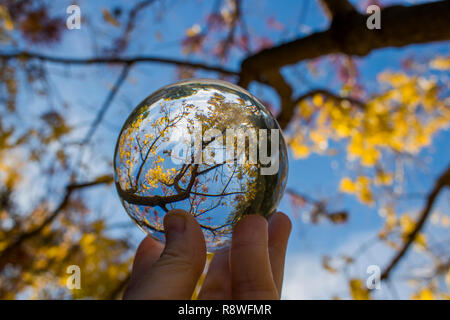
<point x="347" y="34"/>
<point x="338" y="7"/>
<point x="442" y="182"/>
<point x="275" y="79"/>
<point x="400" y="26"/>
<point x="115" y="60"/>
<point x="288" y="110"/>
<point x="319" y="208"/>
<point x="112" y="93"/>
<point x="64" y="202"/>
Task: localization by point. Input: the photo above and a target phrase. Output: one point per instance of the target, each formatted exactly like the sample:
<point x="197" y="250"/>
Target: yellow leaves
<point x="402" y="119"/>
<point x="383" y="178"/>
<point x="153" y="175"/>
<point x="11" y="168"/>
<point x="421" y="240"/>
<point x="409" y="94"/>
<point x="347" y="185"/>
<point x="156" y="175"/>
<point x="317" y="100"/>
<point x="342" y="119"/>
<point x="360" y="187"/>
<point x="391" y="219"/>
<point x="430" y="93"/>
<point x="395" y="79"/>
<point x="319" y="138"/>
<point x="440" y="63"/>
<point x="57" y="252"/>
<point x="413" y="113"/>
<point x="3" y="244"/>
<point x="42" y="263"/>
<point x="299" y="147"/>
<point x="300" y="151"/>
<point x="6" y="18"/>
<point x="343" y="130"/>
<point x="87" y="242"/>
<point x="407" y="224"/>
<point x="12" y="179"/>
<point x="306" y="109"/>
<point x="358" y="291"/>
<point x="369" y="157"/>
<point x="424" y="294"/>
<point x="98" y="226"/>
<point x="365" y="196"/>
<point x="109" y="18"/>
<point x="363" y="189"/>
<point x="359" y="148"/>
<point x="194" y="30"/>
<point x="148" y="137"/>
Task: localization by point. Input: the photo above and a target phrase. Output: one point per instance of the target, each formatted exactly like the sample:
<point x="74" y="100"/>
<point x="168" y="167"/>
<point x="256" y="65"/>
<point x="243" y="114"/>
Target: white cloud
<point x="305" y="277"/>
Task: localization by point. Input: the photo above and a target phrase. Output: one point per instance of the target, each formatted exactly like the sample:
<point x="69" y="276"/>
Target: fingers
<point x="217" y="282"/>
<point x="175" y="274"/>
<point x="254" y="268"/>
<point x="147" y="254"/>
<point x="251" y="274"/>
<point x="279" y="229"/>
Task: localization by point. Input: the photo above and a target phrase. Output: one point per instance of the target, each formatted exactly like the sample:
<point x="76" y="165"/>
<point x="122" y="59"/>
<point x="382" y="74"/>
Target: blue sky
<point x="318" y="175"/>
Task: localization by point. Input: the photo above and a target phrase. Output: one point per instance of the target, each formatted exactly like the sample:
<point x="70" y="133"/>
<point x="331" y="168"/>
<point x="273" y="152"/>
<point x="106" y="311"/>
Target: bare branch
<point x="115" y="60"/>
<point x="101" y="113"/>
<point x="441" y="183"/>
<point x="319" y="208"/>
<point x="217" y="195"/>
<point x="122" y="42"/>
<point x="275" y="79"/>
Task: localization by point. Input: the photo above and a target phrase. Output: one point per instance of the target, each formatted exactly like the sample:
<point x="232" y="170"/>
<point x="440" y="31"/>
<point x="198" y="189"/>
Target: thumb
<point x="174" y="275"/>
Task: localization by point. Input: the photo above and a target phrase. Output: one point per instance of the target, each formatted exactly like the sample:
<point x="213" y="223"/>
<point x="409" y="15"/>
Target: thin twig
<point x="105" y="106"/>
<point x="442" y="182"/>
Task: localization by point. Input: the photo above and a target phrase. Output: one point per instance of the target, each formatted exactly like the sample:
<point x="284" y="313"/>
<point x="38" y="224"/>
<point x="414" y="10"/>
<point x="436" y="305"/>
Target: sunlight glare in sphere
<point x="205" y="146"/>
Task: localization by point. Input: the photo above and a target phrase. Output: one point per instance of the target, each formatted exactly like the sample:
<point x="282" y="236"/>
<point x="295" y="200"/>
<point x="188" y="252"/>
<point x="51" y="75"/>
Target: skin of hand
<point x="252" y="268"/>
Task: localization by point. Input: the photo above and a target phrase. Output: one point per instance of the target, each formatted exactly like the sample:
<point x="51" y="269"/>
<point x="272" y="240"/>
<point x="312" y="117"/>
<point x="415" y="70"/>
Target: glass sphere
<point x="205" y="146"/>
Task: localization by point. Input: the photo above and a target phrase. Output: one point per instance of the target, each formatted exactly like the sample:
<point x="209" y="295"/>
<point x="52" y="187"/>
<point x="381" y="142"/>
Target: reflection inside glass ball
<point x="204" y="146"/>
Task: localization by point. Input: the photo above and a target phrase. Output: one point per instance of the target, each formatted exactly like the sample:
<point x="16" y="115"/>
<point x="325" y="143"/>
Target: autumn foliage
<point x="53" y="168"/>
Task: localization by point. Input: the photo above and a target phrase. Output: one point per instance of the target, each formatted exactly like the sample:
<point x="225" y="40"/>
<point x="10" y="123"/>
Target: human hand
<point x="251" y="269"/>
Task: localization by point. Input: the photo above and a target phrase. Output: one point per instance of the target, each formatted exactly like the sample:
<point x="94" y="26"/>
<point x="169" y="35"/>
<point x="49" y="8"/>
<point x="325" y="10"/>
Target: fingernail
<point x="175" y="223"/>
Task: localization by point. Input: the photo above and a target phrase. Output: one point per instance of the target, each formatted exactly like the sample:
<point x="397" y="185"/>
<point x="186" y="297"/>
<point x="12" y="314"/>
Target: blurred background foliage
<point x="58" y="86"/>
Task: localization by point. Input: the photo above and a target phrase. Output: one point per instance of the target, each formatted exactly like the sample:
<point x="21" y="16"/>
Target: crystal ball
<point x="205" y="146"/>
